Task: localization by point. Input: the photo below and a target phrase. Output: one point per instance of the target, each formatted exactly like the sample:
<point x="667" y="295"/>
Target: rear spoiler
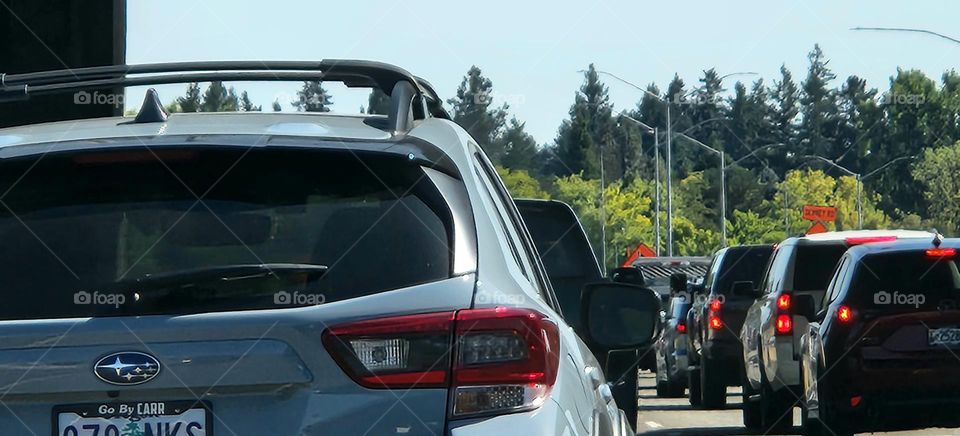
<point x="411" y="98"/>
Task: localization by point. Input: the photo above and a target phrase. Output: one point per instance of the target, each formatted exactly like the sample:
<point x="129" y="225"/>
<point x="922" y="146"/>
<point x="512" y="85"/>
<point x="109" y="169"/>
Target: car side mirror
<point x="743" y="289"/>
<point x="628" y="275"/>
<point x="804" y="305"/>
<point x="678" y="283"/>
<point x="618" y="315"/>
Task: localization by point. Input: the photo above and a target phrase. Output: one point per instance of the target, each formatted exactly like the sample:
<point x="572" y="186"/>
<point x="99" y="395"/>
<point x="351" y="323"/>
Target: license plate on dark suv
<point x="948" y="336"/>
<point x="174" y="418"/>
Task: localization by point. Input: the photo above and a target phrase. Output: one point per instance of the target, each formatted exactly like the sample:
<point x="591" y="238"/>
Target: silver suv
<point x="283" y="274"/>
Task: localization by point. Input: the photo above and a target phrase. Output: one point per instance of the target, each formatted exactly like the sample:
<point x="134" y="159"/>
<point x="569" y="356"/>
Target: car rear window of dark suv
<point x="905" y="282"/>
<point x="814" y="265"/>
<point x="742" y="265"/>
<point x="107" y="233"/>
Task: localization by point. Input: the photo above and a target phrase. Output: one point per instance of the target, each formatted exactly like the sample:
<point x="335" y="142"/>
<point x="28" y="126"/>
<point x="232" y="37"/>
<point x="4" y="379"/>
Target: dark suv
<point x="882" y="352"/>
<point x="714" y="321"/>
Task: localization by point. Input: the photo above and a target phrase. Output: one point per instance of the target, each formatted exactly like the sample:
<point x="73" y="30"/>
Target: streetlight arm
<point x="902" y="29"/>
<point x="887" y="165"/>
<point x="757" y="150"/>
<point x="636" y="121"/>
<point x="833" y="164"/>
<point x="629" y="83"/>
<point x="699" y="143"/>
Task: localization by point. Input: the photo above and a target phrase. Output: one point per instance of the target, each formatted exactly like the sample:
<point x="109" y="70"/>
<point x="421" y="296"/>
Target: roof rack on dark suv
<point x="411" y="98"/>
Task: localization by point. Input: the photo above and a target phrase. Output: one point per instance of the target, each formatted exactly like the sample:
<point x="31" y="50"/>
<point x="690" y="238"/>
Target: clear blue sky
<point x="533" y="49"/>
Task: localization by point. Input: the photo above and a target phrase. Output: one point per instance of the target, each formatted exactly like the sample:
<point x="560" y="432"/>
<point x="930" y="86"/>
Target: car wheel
<point x="713" y="390"/>
<point x="751" y="409"/>
<point x="693" y="382"/>
<point x="827" y="424"/>
<point x="776" y="408"/>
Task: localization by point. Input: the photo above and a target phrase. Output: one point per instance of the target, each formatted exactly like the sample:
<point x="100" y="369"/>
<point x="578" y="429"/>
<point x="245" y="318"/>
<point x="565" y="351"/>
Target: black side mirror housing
<point x="618" y="315"/>
<point x="743" y="289"/>
<point x="804" y="305"/>
<point x="678" y="283"/>
<point x="628" y="275"/>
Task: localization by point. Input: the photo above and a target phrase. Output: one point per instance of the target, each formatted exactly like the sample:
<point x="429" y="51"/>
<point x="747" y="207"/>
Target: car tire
<point x="776" y="408"/>
<point x="828" y="424"/>
<point x="663" y="389"/>
<point x="752" y="419"/>
<point x="713" y="390"/>
<point x="693" y="383"/>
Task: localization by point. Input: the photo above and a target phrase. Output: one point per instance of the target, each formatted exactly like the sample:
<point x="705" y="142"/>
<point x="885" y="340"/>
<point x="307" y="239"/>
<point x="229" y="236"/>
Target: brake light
<point x="844" y="314"/>
<point x="681" y="327"/>
<point x="715" y="322"/>
<point x="503" y="359"/>
<point x="870" y="239"/>
<point x="784" y="324"/>
<point x="715" y="305"/>
<point x="942" y="252"/>
<point x="783" y="302"/>
<point x="713" y="315"/>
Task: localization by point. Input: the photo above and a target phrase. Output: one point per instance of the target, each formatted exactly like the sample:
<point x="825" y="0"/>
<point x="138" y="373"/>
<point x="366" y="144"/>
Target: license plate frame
<point x="93" y="411"/>
<point x="936" y="337"/>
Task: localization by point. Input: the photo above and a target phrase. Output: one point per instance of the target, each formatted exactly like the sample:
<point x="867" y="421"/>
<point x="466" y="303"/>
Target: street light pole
<point x="669" y="185"/>
<point x="723" y="198"/>
<point x="656" y="158"/>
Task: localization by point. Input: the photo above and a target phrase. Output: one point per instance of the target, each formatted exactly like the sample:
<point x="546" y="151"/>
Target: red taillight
<point x="784" y="324"/>
<point x="715" y="322"/>
<point x="681" y="327"/>
<point x="504" y="359"/>
<point x="869" y="239"/>
<point x="783" y="302"/>
<point x="844" y="314"/>
<point x="855" y="401"/>
<point x="942" y="252"/>
<point x="715" y="305"/>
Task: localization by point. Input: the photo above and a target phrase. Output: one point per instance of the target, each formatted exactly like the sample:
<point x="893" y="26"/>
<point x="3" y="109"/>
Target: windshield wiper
<point x="221" y="273"/>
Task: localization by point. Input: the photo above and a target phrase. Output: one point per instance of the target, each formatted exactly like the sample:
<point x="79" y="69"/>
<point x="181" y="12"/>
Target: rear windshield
<point x="814" y="265"/>
<point x="742" y="265"/>
<point x="900" y="282"/>
<point x="117" y="233"/>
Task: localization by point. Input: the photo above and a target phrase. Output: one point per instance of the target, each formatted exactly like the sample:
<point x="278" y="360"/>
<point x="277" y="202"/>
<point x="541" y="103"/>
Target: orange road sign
<point x="820" y="213"/>
<point x="817" y="227"/>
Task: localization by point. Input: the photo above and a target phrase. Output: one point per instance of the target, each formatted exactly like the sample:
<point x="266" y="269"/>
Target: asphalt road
<point x="674" y="416"/>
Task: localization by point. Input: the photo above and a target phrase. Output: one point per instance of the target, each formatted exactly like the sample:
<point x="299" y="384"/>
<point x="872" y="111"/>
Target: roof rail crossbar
<point x="352" y="73"/>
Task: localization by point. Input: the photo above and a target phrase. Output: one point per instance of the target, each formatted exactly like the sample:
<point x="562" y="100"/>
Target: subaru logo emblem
<point x="127" y="368"/>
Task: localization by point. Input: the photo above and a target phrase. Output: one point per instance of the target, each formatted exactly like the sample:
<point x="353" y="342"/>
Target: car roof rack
<point x="411" y="98"/>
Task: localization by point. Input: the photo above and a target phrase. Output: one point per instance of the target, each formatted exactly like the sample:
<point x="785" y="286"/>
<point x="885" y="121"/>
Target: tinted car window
<point x="106" y="222"/>
<point x="898" y="282"/>
<point x="743" y="265"/>
<point x="814" y="266"/>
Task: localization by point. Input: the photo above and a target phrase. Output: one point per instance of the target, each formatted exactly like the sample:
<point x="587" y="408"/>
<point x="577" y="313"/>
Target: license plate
<point x="944" y="336"/>
<point x="148" y="418"/>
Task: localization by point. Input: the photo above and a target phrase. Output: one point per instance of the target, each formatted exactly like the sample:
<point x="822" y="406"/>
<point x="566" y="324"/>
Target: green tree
<point x="312" y="97"/>
<point x="276" y="106"/>
<point x="192" y="100"/>
<point x="587" y="132"/>
<point x="819" y="117"/>
<point x="246" y="105"/>
<point x="520" y="149"/>
<point x="748" y="227"/>
<point x="378" y="102"/>
<point x="799" y="188"/>
<point x="473" y="109"/>
<point x="521" y="184"/>
<point x="219" y="98"/>
<point x="936" y="171"/>
<point x="784" y="109"/>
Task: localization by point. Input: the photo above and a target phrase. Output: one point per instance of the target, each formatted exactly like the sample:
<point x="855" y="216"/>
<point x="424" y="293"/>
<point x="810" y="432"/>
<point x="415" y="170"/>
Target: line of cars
<point x="860" y="330"/>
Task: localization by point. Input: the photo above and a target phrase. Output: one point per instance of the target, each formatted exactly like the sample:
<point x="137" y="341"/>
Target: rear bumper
<point x="787" y="365"/>
<point x="725" y="360"/>
<point x="547" y="420"/>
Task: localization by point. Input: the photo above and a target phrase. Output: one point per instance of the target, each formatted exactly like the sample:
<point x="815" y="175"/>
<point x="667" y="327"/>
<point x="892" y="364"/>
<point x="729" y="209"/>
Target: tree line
<point x="901" y="142"/>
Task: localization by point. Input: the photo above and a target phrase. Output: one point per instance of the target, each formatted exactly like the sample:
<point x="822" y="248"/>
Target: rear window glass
<point x="746" y="265"/>
<point x="814" y="265"/>
<point x="896" y="282"/>
<point x="120" y="233"/>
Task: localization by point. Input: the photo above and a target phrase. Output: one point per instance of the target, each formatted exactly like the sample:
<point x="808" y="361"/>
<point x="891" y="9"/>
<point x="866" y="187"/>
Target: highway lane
<point x="674" y="416"/>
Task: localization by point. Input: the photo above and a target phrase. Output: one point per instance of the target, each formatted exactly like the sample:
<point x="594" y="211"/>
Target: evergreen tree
<point x="820" y="119"/>
<point x="784" y="108"/>
<point x="378" y="102"/>
<point x="276" y="106"/>
<point x="246" y="105"/>
<point x="312" y="97"/>
<point x="219" y="98"/>
<point x="192" y="100"/>
<point x="582" y="137"/>
<point x="860" y="123"/>
<point x="473" y="110"/>
<point x="520" y="149"/>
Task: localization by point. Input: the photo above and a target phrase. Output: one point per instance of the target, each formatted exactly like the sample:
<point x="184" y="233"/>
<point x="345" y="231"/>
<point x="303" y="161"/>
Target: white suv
<point x="799" y="268"/>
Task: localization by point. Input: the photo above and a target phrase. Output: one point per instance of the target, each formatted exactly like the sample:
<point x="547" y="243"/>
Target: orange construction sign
<point x="817" y="227"/>
<point x="820" y="213"/>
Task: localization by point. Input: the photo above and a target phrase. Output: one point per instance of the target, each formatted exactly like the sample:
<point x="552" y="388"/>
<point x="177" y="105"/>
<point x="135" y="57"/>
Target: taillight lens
<point x="844" y="314"/>
<point x="942" y="252"/>
<point x="411" y="351"/>
<point x="784" y="324"/>
<point x="715" y="322"/>
<point x="783" y="302"/>
<point x="681" y="327"/>
<point x="505" y="359"/>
